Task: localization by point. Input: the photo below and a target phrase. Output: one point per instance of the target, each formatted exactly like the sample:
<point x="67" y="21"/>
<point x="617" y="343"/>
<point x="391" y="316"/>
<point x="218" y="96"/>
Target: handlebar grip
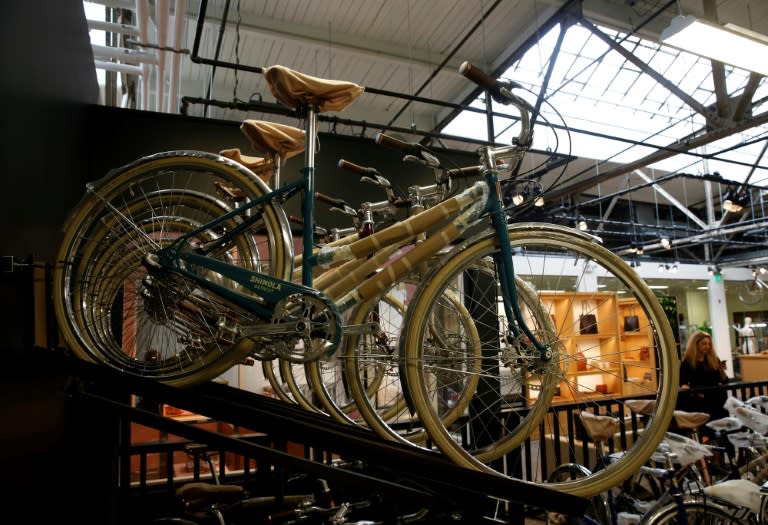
<point x="485" y="81"/>
<point x="284" y="516"/>
<point x="351" y="166"/>
<point x="322" y="197"/>
<point x="468" y="171"/>
<point x="392" y="142"/>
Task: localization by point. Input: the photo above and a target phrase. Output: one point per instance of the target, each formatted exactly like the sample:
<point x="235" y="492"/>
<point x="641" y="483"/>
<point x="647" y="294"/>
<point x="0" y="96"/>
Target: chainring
<point x="317" y="330"/>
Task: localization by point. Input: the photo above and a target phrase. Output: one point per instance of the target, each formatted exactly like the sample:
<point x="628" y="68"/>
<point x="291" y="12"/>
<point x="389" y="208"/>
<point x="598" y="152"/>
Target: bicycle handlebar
<point x="468" y="171"/>
<point x="339" y="205"/>
<point x="487" y="82"/>
<point x="409" y="148"/>
<point x="356" y="168"/>
<point x="501" y="91"/>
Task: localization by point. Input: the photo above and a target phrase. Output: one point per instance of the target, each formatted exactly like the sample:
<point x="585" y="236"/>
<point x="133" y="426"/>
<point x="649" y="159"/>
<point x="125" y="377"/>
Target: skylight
<point x="615" y="112"/>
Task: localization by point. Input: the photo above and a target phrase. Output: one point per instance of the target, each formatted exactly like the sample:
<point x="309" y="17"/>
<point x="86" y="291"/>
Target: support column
<point x="721" y="326"/>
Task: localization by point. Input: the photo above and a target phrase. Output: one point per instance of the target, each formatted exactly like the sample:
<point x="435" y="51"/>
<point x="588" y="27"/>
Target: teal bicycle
<point x="179" y="266"/>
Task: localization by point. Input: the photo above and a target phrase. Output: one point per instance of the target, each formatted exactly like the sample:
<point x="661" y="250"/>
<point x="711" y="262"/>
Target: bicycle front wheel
<point x="113" y="311"/>
<point x="589" y="367"/>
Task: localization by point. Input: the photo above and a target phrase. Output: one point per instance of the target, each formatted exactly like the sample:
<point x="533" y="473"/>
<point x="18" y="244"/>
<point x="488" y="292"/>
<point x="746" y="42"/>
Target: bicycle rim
<point x="598" y="507"/>
<point x="697" y="512"/>
<point x="373" y="367"/>
<point x="566" y="269"/>
<point x="279" y="389"/>
<point x="332" y="378"/>
<point x="165" y="327"/>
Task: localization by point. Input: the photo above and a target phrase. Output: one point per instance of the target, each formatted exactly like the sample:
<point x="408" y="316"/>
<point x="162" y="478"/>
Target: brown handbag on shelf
<point x="587" y="323"/>
<point x="581" y="362"/>
<point x="631" y="322"/>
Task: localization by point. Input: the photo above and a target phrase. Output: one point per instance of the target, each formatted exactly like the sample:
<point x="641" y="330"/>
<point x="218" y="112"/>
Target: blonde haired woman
<point x="700" y="368"/>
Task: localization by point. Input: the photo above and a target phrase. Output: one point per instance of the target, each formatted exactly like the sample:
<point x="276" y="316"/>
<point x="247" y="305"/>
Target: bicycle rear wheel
<point x="567" y="270"/>
<point x="373" y="366"/>
<point x="334" y="382"/>
<point x="699" y="512"/>
<point x="598" y="507"/>
<point x="113" y="311"/>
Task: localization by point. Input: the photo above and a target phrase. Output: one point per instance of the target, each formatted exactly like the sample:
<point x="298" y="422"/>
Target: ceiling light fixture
<point x="665" y="242"/>
<point x="581" y="223"/>
<point x="729" y="44"/>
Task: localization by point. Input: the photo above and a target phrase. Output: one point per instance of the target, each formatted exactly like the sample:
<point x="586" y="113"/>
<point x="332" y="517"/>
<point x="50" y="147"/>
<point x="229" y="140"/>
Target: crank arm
<point x="267" y="329"/>
<point x="294" y="328"/>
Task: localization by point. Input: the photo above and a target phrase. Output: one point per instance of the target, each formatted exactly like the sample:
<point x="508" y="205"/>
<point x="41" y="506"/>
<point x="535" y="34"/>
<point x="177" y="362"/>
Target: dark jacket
<point x="702" y="397"/>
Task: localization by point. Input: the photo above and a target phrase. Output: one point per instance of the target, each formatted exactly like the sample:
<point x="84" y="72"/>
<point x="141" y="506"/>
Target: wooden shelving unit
<point x="638" y="360"/>
<point x="611" y="362"/>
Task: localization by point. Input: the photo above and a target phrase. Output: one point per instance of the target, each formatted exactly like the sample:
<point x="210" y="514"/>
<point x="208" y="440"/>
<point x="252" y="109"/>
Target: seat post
<point x="310" y="127"/>
<point x="277" y="162"/>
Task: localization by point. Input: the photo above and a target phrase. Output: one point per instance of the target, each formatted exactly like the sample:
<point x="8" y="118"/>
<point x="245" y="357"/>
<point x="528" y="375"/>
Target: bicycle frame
<point x="481" y="199"/>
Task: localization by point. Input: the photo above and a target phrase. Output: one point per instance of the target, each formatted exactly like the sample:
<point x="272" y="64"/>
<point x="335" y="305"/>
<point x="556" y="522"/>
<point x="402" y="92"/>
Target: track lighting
<point x="734" y="200"/>
<point x="517" y="193"/>
<point x="671" y="268"/>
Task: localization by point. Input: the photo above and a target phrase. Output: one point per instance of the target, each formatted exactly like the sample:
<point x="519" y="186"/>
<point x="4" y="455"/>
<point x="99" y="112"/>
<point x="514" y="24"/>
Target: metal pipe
<point x="162" y="13"/>
<point x="113" y="27"/>
<point x="178" y="32"/>
<point x="124" y="54"/>
<point x="142" y="22"/>
<point x="118" y="67"/>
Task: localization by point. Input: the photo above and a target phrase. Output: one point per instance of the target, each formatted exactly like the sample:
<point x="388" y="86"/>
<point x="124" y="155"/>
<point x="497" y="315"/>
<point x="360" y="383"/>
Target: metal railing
<point x="559" y="440"/>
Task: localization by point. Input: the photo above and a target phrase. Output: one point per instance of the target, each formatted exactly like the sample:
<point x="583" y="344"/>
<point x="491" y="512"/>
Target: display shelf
<point x="612" y="355"/>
